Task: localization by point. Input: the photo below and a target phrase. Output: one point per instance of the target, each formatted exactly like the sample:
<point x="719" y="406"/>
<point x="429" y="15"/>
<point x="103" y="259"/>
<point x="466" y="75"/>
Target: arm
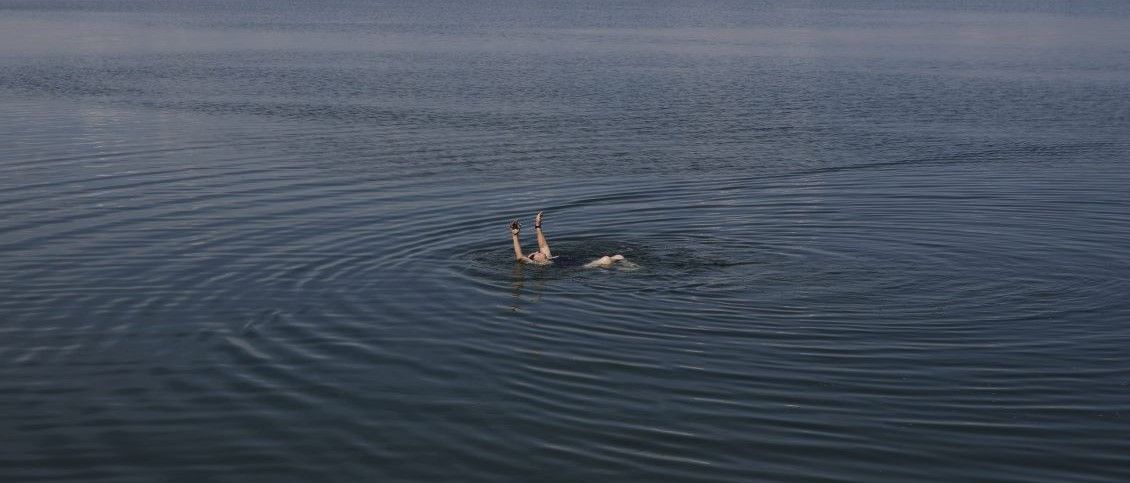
<point x="605" y="261"/>
<point x="516" y="228"/>
<point x="599" y="263"/>
<point x="543" y="245"/>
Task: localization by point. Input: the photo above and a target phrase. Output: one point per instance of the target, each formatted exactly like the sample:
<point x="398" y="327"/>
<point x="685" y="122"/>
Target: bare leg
<point x="543" y="245"/>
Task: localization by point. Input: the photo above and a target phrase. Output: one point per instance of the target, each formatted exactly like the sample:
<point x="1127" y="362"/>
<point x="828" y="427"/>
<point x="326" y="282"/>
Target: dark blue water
<point x="266" y="241"/>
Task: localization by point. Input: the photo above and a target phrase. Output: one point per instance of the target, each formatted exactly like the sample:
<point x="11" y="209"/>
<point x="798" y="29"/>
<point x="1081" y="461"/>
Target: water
<point x="877" y="241"/>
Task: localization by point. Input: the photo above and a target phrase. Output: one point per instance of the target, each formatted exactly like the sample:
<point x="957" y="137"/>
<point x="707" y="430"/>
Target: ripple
<point x="289" y="264"/>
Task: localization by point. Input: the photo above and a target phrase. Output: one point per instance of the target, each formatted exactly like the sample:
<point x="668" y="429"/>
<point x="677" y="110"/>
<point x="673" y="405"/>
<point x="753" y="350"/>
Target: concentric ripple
<point x="257" y="243"/>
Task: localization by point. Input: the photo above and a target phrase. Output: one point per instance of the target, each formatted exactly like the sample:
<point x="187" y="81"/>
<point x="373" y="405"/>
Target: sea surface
<point x="266" y="241"/>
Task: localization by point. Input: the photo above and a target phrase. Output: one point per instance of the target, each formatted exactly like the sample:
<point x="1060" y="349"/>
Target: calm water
<point x="878" y="241"/>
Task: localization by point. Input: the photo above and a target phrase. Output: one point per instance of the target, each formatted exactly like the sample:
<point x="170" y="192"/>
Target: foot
<point x="515" y="227"/>
<point x="537" y="221"/>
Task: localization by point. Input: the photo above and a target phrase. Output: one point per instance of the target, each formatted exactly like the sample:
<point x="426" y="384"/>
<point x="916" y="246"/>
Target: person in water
<point x="543" y="256"/>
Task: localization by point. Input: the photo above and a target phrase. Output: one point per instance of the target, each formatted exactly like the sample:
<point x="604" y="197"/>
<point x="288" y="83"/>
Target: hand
<point x="537" y="220"/>
<point x="515" y="227"/>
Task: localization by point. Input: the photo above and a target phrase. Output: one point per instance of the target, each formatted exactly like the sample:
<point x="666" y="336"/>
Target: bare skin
<point x="605" y="261"/>
<point x="543" y="245"/>
<point x="540" y="257"/>
<point x="544" y="256"/>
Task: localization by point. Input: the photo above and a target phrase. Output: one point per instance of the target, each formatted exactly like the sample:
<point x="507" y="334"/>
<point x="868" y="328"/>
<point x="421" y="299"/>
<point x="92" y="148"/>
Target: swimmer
<point x="543" y="256"/>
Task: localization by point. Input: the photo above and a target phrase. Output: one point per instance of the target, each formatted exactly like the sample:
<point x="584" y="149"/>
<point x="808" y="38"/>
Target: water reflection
<point x="518" y="284"/>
